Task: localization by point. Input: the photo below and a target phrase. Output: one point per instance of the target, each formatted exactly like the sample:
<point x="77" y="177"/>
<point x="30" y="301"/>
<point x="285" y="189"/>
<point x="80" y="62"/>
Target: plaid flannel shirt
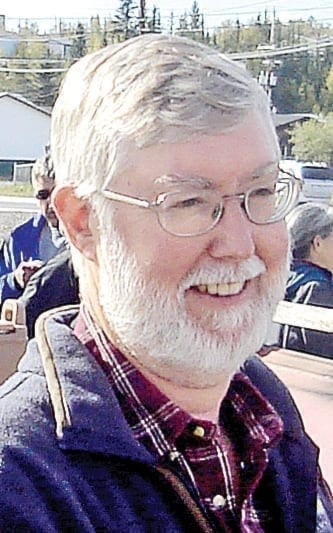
<point x="224" y="477"/>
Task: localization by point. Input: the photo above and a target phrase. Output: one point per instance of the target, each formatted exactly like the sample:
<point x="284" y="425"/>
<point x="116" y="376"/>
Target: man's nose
<point x="233" y="235"/>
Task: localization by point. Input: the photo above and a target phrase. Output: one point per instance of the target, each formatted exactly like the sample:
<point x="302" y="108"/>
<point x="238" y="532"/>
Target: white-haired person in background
<point x="311" y="278"/>
<point x="147" y="410"/>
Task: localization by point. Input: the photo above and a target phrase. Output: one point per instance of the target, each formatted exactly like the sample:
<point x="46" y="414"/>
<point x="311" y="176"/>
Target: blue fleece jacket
<point x="69" y="461"/>
<point x="305" y="274"/>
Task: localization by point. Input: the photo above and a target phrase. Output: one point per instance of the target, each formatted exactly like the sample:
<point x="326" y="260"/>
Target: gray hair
<point x="42" y="169"/>
<point x="149" y="89"/>
<point x="305" y="223"/>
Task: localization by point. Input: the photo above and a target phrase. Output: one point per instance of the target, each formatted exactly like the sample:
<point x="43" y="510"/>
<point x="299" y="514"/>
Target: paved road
<point x="17" y="204"/>
<point x="13" y="211"/>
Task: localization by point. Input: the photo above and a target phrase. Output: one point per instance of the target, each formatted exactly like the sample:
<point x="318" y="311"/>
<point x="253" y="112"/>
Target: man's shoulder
<point x="30" y="457"/>
<point x="316" y="292"/>
<point x="262" y="376"/>
<point x="25" y="406"/>
<point x="25" y="413"/>
<point x="305" y="273"/>
<point x="276" y="393"/>
<point x="30" y="368"/>
<point x="34" y="223"/>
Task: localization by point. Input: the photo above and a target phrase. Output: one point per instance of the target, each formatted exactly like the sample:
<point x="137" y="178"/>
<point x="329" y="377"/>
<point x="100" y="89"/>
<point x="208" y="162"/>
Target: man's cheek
<point x="275" y="247"/>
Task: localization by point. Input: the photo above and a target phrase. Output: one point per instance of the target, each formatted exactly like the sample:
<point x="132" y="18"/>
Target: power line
<point x="33" y="70"/>
<point x="176" y="11"/>
<point x="278" y="52"/>
<point x="32" y="60"/>
<point x="257" y="54"/>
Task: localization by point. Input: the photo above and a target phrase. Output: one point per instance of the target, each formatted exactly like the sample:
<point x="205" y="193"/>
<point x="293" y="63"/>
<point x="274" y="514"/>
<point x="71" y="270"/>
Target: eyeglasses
<point x="190" y="212"/>
<point x="43" y="194"/>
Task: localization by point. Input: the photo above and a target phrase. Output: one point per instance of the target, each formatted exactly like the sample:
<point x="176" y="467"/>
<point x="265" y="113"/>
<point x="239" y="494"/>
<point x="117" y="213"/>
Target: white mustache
<point x="225" y="273"/>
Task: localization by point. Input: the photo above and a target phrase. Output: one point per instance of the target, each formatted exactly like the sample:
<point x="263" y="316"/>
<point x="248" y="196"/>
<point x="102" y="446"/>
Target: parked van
<point x="317" y="179"/>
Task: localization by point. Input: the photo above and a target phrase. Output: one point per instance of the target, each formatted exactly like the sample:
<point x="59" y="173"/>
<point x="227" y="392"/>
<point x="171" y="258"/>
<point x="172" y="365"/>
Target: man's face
<point x="43" y="188"/>
<point x="193" y="307"/>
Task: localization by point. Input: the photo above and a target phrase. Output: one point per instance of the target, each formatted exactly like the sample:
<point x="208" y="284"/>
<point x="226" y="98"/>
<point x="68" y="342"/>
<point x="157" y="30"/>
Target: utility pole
<point x="267" y="77"/>
<point x="268" y="80"/>
<point x="142" y="16"/>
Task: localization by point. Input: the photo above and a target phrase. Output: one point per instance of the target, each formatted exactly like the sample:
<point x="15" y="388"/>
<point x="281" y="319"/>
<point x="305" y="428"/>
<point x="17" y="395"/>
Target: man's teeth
<point x="221" y="289"/>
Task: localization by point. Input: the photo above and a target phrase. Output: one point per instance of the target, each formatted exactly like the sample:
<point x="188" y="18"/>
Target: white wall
<point x="24" y="131"/>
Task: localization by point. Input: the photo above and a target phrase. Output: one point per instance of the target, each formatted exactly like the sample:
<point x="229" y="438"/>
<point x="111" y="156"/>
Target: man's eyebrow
<point x="264" y="169"/>
<point x="200" y="181"/>
<point x="174" y="179"/>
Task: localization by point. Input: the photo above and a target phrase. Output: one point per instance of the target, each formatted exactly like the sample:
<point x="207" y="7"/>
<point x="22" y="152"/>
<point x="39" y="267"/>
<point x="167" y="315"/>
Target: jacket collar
<point x="39" y="221"/>
<point x="86" y="412"/>
<point x="303" y="272"/>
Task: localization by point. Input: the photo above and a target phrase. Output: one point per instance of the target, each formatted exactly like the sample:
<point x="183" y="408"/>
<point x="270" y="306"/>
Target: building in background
<point x="24" y="132"/>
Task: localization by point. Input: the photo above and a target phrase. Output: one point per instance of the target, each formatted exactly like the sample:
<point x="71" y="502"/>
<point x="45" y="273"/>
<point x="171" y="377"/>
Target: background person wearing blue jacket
<point x="146" y="410"/>
<point x="31" y="244"/>
<point x="311" y="278"/>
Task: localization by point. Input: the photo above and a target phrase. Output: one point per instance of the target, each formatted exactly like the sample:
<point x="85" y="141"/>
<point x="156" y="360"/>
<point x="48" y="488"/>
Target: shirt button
<point x="199" y="431"/>
<point x="218" y="501"/>
<point x="174" y="455"/>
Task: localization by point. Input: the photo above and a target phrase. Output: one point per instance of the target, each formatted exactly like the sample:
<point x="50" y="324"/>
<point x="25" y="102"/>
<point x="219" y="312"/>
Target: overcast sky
<point x="214" y="10"/>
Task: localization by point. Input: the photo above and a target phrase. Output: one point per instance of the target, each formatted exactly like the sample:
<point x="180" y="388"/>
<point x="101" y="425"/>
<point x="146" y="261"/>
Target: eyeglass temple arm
<point x="118" y="197"/>
<point x="298" y="180"/>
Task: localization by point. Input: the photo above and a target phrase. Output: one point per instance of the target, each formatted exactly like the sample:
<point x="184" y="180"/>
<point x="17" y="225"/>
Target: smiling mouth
<point x="221" y="289"/>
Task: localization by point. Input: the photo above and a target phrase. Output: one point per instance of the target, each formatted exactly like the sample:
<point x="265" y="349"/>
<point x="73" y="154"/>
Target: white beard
<point x="160" y="334"/>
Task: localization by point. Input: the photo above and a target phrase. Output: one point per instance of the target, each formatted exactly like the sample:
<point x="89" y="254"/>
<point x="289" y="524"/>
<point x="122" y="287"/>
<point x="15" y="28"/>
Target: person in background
<point x="311" y="278"/>
<point x="31" y="244"/>
<point x="146" y="410"/>
<point x="53" y="285"/>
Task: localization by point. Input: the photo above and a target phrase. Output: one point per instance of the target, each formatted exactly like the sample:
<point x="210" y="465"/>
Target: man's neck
<point x="202" y="403"/>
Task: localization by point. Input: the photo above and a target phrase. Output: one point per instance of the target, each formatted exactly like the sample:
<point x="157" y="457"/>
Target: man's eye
<point x="264" y="191"/>
<point x="193" y="201"/>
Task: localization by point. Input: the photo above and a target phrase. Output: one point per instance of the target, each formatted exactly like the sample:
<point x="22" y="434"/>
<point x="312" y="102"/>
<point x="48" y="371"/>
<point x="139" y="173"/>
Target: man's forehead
<point x="44" y="182"/>
<point x="202" y="160"/>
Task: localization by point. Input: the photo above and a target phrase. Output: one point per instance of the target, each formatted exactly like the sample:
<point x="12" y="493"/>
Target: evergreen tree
<point x="42" y="79"/>
<point x="79" y="47"/>
<point x="195" y="16"/>
<point x="190" y="24"/>
<point x="37" y="79"/>
<point x="154" y="23"/>
<point x="127" y="18"/>
<point x="327" y="92"/>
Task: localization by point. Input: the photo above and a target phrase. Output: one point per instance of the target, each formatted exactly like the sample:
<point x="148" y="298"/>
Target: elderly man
<point x="35" y="241"/>
<point x="146" y="410"/>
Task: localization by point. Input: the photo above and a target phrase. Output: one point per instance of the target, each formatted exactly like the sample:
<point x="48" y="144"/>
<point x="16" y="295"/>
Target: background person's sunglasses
<point x="43" y="194"/>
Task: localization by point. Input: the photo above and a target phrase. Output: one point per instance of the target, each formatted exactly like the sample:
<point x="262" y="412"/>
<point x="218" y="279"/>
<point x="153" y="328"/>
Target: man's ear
<point x="75" y="216"/>
<point x="317" y="242"/>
